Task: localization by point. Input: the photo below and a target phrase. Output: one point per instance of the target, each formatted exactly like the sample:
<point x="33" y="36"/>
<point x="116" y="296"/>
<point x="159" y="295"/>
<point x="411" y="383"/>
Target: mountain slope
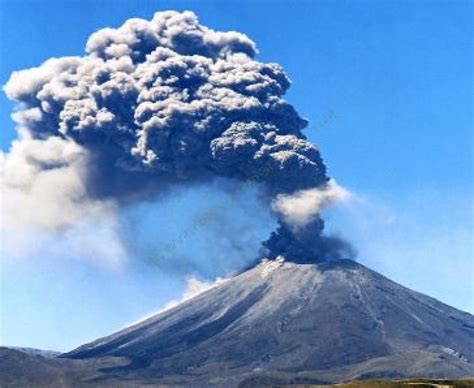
<point x="327" y="322"/>
<point x="36" y="352"/>
<point x="20" y="369"/>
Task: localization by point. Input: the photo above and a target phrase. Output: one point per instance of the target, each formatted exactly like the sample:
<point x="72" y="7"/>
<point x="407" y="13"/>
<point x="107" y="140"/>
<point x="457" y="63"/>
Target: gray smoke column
<point x="168" y="101"/>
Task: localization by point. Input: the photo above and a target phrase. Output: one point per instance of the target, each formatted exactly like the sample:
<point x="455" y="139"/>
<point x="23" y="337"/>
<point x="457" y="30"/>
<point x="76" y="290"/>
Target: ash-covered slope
<point x="314" y="322"/>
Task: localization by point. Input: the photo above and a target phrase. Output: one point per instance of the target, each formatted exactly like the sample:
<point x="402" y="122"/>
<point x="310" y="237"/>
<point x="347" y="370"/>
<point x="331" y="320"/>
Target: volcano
<point x="282" y="322"/>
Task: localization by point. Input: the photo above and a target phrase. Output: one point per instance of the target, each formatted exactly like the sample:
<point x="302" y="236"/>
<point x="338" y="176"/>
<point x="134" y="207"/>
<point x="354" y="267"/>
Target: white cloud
<point x="42" y="186"/>
<point x="45" y="209"/>
<point x="299" y="208"/>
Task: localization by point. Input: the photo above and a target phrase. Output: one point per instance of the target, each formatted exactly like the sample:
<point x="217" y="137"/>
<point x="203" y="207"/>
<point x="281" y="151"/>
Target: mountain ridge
<point x="35" y="352"/>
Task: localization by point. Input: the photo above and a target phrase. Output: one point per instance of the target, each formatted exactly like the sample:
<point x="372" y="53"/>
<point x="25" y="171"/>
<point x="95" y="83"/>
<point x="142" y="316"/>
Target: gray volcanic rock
<point x="326" y="322"/>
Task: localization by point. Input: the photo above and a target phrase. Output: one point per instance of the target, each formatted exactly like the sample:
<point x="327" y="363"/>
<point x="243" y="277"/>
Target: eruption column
<point x="169" y="101"/>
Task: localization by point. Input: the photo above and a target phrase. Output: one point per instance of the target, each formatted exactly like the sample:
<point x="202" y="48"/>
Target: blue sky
<point x="395" y="78"/>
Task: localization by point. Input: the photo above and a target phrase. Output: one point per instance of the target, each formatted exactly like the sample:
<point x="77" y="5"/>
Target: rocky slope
<point x="294" y="322"/>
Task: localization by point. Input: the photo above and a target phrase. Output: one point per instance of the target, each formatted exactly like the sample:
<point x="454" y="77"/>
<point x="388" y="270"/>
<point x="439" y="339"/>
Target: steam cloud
<point x="159" y="103"/>
<point x="299" y="208"/>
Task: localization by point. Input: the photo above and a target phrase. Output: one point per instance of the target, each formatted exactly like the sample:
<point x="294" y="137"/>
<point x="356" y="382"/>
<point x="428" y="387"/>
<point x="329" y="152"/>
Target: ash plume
<point x="154" y="104"/>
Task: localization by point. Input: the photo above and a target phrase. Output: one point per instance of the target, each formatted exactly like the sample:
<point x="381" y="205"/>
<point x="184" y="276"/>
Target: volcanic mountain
<point x="282" y="322"/>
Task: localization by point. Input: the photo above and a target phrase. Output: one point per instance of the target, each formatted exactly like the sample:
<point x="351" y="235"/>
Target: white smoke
<point x="299" y="209"/>
<point x="45" y="209"/>
<point x="194" y="287"/>
<point x="42" y="186"/>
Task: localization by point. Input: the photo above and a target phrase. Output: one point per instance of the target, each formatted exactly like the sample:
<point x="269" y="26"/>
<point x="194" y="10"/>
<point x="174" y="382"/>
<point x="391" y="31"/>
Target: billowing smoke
<point x="155" y="104"/>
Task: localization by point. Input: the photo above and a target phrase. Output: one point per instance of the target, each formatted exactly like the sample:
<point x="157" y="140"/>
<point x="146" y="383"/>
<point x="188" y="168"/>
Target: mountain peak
<point x="284" y="317"/>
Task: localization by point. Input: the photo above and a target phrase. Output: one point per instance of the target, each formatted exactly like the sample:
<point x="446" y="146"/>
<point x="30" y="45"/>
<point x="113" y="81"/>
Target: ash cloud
<point x="159" y="103"/>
